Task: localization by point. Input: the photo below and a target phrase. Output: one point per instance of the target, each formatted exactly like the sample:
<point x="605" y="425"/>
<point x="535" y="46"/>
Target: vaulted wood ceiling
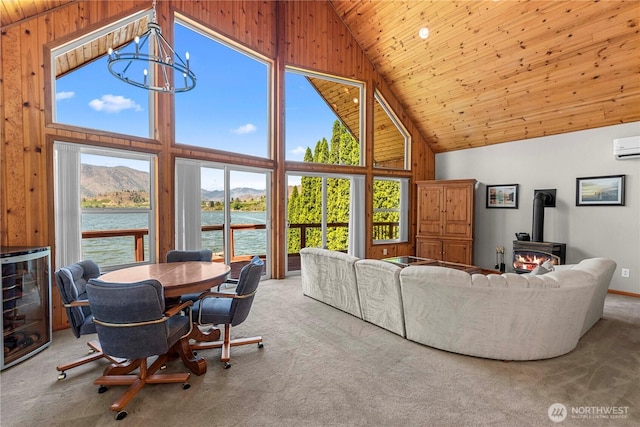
<point x="497" y="71"/>
<point x="491" y="71"/>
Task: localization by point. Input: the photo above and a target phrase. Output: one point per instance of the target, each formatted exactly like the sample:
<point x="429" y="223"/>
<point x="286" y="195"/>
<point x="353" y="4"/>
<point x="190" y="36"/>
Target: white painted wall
<point x="555" y="162"/>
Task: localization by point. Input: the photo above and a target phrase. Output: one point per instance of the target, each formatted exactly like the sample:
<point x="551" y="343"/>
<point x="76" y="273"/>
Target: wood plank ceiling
<point x="498" y="71"/>
<point x="491" y="71"/>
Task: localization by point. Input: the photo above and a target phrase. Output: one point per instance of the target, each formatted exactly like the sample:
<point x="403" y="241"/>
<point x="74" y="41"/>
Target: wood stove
<point x="529" y="255"/>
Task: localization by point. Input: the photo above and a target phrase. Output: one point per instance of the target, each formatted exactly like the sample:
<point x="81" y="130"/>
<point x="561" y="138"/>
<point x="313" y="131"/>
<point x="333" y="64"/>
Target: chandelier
<point x="137" y="67"/>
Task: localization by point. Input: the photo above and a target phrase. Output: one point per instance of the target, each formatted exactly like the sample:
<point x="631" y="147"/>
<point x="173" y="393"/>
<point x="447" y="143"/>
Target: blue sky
<point x="227" y="110"/>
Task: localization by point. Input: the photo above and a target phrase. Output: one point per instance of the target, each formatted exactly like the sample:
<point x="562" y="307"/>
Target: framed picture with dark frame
<point x="502" y="196"/>
<point x="600" y="191"/>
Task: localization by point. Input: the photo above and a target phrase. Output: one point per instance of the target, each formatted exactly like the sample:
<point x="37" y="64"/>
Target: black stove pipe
<point x="538" y="216"/>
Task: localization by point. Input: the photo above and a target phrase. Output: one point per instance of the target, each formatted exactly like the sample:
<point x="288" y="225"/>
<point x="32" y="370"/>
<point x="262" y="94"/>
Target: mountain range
<point x="101" y="180"/>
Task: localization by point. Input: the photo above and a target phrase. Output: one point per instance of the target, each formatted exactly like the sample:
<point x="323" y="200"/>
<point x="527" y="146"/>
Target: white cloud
<point x="114" y="104"/>
<point x="64" y="95"/>
<point x="245" y="129"/>
<point x="299" y="151"/>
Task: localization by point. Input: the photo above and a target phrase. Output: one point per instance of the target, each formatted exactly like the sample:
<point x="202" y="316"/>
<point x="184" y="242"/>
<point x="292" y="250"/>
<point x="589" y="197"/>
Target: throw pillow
<point x="539" y="270"/>
<point x="548" y="265"/>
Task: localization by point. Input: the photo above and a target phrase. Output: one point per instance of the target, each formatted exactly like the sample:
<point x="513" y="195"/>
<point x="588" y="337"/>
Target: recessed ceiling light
<point x="423" y="33"/>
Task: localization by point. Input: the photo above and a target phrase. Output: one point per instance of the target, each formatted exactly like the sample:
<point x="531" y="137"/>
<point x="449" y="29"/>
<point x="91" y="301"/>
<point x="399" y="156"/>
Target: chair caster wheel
<point x="102" y="389"/>
<point x="62" y="375"/>
<point x="260" y="345"/>
<point x="121" y="415"/>
<point x="186" y="386"/>
<point x="227" y="365"/>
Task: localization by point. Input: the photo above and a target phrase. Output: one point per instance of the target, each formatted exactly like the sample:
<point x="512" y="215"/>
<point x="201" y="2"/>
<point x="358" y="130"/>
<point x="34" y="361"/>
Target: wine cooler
<point x="26" y="302"/>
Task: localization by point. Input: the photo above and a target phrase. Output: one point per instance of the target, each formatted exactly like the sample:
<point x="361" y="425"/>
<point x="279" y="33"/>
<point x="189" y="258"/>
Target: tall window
<point x="324" y="211"/>
<point x="229" y="108"/>
<point x="391" y="143"/>
<point x="103" y="205"/>
<point x="222" y="208"/>
<point x="323" y="110"/>
<point x="111" y="105"/>
<point x="390" y="200"/>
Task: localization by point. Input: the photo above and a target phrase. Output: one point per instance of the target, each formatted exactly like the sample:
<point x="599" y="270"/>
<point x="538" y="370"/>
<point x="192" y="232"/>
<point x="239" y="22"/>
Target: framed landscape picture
<point x="502" y="196"/>
<point x="600" y="191"/>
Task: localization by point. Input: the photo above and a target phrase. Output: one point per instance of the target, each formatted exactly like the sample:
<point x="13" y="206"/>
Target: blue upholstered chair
<point x="182" y="256"/>
<point x="229" y="309"/>
<point x="131" y="323"/>
<point x="71" y="282"/>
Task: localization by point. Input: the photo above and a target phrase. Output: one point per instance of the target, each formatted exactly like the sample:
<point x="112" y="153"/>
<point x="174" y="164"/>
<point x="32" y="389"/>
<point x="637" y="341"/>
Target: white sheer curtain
<point x="188" y="199"/>
<point x="66" y="193"/>
<point x="356" y="218"/>
<point x="404" y="210"/>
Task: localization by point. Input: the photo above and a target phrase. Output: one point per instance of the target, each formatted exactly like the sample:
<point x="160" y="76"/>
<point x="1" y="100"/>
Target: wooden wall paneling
<point x="34" y="152"/>
<point x="306" y="22"/>
<point x="13" y="176"/>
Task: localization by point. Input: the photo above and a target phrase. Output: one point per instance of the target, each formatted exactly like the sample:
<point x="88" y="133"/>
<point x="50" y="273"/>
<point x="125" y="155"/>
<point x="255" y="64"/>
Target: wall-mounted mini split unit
<point x="626" y="148"/>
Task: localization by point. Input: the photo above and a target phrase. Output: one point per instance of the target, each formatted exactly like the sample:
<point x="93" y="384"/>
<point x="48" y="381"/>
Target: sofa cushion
<point x="515" y="280"/>
<point x="330" y="277"/>
<point x="479" y="280"/>
<point x="602" y="269"/>
<point x="506" y="280"/>
<point x="379" y="292"/>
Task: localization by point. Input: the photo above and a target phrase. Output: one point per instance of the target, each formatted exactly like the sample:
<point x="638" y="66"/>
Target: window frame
<point x="81" y="40"/>
<point x="61" y="207"/>
<point x="361" y="110"/>
<point x="242" y="50"/>
<point x="378" y="97"/>
<point x="403" y="209"/>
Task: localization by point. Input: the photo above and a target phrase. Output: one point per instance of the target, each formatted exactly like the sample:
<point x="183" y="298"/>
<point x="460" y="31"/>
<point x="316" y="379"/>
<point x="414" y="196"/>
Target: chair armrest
<point x="169" y="313"/>
<point x="77" y="303"/>
<point x="212" y="294"/>
<point x="177" y="308"/>
<point x="226" y="295"/>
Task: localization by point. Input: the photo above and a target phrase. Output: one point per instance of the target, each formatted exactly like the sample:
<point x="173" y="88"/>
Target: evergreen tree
<point x="305" y="206"/>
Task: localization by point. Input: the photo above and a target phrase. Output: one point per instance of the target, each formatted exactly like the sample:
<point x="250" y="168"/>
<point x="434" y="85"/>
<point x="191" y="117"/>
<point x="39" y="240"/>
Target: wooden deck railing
<point x="381" y="231"/>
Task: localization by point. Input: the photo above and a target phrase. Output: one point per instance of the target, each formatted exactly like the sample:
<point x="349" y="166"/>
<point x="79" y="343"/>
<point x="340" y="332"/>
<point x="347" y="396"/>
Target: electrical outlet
<point x="384" y="251"/>
<point x="624" y="272"/>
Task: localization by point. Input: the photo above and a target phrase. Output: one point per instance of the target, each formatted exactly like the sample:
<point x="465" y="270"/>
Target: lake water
<point x="120" y="250"/>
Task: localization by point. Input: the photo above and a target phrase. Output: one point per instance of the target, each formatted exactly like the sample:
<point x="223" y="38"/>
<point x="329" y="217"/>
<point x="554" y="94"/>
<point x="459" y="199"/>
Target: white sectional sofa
<point x="505" y="317"/>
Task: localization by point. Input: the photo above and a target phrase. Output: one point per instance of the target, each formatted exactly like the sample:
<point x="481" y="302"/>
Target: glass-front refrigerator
<point x="26" y="302"/>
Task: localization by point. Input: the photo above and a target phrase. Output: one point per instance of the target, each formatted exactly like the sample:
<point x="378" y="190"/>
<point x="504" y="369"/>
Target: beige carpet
<point x="322" y="367"/>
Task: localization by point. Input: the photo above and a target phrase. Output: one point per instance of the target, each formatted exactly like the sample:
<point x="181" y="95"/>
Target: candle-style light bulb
<point x="137" y="40"/>
<point x="186" y="55"/>
<point x="185" y="79"/>
<point x="145" y="76"/>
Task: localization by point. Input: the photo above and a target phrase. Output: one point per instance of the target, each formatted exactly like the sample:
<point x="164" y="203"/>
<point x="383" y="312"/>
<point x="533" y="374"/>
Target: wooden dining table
<point x="177" y="278"/>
